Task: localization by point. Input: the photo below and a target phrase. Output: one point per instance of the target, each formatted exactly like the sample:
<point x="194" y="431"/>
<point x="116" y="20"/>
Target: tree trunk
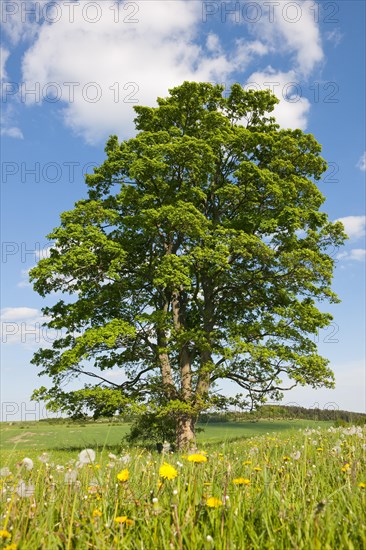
<point x="186" y="437"/>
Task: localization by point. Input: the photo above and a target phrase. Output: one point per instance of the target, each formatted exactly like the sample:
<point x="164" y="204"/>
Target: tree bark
<point x="203" y="383"/>
<point x="184" y="355"/>
<point x="166" y="370"/>
<point x="186" y="437"/>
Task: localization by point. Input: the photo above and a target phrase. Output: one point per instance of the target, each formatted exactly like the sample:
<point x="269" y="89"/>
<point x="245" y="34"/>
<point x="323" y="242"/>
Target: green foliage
<point x="150" y="428"/>
<point x="200" y="254"/>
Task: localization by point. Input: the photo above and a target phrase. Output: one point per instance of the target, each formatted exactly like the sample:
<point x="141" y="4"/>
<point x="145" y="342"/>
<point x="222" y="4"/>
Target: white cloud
<point x="293" y="108"/>
<point x="354" y="226"/>
<point x="20" y="18"/>
<point x="335" y="36"/>
<point x="4" y="54"/>
<point x="12" y="132"/>
<point x="23" y="326"/>
<point x="159" y="46"/>
<point x="129" y="63"/>
<point x="362" y="162"/>
<point x="18" y="313"/>
<point x="7" y="112"/>
<point x="357" y="254"/>
<point x="213" y="43"/>
<point x="290" y="27"/>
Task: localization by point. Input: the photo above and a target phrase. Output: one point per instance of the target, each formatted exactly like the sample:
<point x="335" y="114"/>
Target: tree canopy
<point x="200" y="254"/>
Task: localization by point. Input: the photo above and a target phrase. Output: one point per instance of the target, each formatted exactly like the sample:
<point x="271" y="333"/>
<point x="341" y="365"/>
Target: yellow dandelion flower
<point x="10" y="547"/>
<point x="286" y="458"/>
<point x="241" y="481"/>
<point x="123" y="519"/>
<point x="213" y="502"/>
<point x="123" y="475"/>
<point x="246" y="462"/>
<point x="257" y="469"/>
<point x="320" y="449"/>
<point x="346" y="467"/>
<point x="120" y="519"/>
<point x="167" y="471"/>
<point x="97" y="513"/>
<point x="4" y="534"/>
<point x="197" y="458"/>
<point x="362" y="485"/>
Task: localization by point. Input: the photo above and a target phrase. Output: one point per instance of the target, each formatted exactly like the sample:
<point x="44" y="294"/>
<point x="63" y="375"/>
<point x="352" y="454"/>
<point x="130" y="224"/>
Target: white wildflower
<point x="112" y="456"/>
<point x="28" y="463"/>
<point x="87" y="456"/>
<point x="70" y="476"/>
<point x="44" y="458"/>
<point x="5" y="472"/>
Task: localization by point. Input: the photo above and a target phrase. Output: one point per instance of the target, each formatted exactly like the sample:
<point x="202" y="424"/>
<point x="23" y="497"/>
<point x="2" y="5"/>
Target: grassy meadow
<point x="265" y="485"/>
<point x="79" y="435"/>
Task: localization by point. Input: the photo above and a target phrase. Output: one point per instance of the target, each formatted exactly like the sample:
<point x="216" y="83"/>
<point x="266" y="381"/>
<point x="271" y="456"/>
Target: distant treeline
<point x="265" y="412"/>
<point x="286" y="412"/>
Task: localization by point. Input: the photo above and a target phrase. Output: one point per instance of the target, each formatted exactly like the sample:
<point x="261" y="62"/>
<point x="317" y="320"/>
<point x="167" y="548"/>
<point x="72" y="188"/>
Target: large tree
<point x="199" y="255"/>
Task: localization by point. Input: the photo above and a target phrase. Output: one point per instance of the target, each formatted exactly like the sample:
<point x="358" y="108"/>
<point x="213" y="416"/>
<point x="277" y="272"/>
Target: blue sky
<point x="70" y="75"/>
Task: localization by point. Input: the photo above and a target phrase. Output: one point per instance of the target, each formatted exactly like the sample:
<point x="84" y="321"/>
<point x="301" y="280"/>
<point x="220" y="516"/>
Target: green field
<point x="41" y="436"/>
<point x="263" y="485"/>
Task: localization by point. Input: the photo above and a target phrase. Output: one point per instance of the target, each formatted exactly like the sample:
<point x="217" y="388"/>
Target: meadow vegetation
<point x="303" y="488"/>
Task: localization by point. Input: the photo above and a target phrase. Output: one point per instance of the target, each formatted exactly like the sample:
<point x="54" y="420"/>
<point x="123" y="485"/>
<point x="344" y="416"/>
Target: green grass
<point x="305" y="490"/>
<point x="40" y="436"/>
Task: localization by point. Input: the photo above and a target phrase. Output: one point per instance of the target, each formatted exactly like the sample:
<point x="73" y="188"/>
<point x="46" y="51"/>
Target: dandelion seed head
<point x="87" y="456"/>
<point x="27" y="463"/>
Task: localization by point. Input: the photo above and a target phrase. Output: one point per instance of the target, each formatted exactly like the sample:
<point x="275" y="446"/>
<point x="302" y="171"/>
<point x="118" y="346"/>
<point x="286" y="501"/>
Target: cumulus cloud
<point x="122" y="59"/>
<point x="293" y="108"/>
<point x="20" y="18"/>
<point x="290" y="27"/>
<point x="114" y="66"/>
<point x="362" y="162"/>
<point x="354" y="226"/>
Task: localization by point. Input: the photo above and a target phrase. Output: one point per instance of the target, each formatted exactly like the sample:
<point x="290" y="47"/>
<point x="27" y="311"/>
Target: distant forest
<point x="287" y="412"/>
<point x="265" y="412"/>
